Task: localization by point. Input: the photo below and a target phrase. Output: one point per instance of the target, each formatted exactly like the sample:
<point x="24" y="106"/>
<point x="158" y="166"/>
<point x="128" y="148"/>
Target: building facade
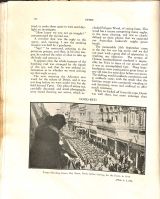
<point x="120" y="129"/>
<point x="37" y="115"/>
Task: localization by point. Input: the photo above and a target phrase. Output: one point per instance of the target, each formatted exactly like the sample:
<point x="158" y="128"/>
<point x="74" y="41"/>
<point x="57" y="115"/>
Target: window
<point x="116" y="118"/>
<point x="124" y="119"/>
<point x="101" y="110"/>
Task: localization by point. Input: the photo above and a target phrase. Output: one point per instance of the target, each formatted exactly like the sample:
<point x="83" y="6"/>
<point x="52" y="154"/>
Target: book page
<point x="81" y="100"/>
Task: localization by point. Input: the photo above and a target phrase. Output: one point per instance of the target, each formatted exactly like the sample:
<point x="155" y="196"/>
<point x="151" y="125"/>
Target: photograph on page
<point x="98" y="137"/>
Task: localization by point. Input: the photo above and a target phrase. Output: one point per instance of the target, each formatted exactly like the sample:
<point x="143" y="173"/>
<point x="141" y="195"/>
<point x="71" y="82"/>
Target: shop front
<point x="111" y="145"/>
<point x="137" y="153"/>
<point x="122" y="147"/>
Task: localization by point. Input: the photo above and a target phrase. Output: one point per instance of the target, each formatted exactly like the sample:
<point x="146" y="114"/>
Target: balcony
<point x="106" y="127"/>
<point x="112" y="126"/>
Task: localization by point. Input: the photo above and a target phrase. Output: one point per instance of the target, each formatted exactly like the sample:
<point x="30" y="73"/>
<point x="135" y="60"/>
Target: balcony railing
<point x="108" y="127"/>
<point x="117" y="126"/>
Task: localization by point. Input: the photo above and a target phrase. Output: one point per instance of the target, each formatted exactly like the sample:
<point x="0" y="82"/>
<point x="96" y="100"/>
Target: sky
<point x="53" y="108"/>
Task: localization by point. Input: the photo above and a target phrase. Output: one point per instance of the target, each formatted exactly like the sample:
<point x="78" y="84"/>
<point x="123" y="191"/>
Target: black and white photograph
<point x="93" y="137"/>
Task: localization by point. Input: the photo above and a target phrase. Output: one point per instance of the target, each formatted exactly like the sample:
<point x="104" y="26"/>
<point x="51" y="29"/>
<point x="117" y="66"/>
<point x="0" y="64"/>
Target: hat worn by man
<point x="57" y="120"/>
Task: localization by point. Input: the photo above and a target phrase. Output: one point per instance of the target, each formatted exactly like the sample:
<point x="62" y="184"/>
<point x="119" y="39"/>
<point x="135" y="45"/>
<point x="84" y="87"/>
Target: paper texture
<point x="82" y="19"/>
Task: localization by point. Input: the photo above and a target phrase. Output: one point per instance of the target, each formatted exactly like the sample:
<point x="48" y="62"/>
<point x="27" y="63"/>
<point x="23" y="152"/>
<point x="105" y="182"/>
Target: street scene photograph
<point x="94" y="137"/>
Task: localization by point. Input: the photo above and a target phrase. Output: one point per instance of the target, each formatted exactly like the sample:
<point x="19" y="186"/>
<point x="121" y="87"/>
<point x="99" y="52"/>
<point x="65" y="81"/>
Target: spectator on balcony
<point x="46" y="151"/>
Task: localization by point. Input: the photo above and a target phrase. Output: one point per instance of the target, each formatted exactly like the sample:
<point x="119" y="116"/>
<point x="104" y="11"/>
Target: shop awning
<point x="133" y="138"/>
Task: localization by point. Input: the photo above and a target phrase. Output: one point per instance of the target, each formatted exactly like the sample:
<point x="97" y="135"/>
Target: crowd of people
<point x="55" y="146"/>
<point x="91" y="157"/>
